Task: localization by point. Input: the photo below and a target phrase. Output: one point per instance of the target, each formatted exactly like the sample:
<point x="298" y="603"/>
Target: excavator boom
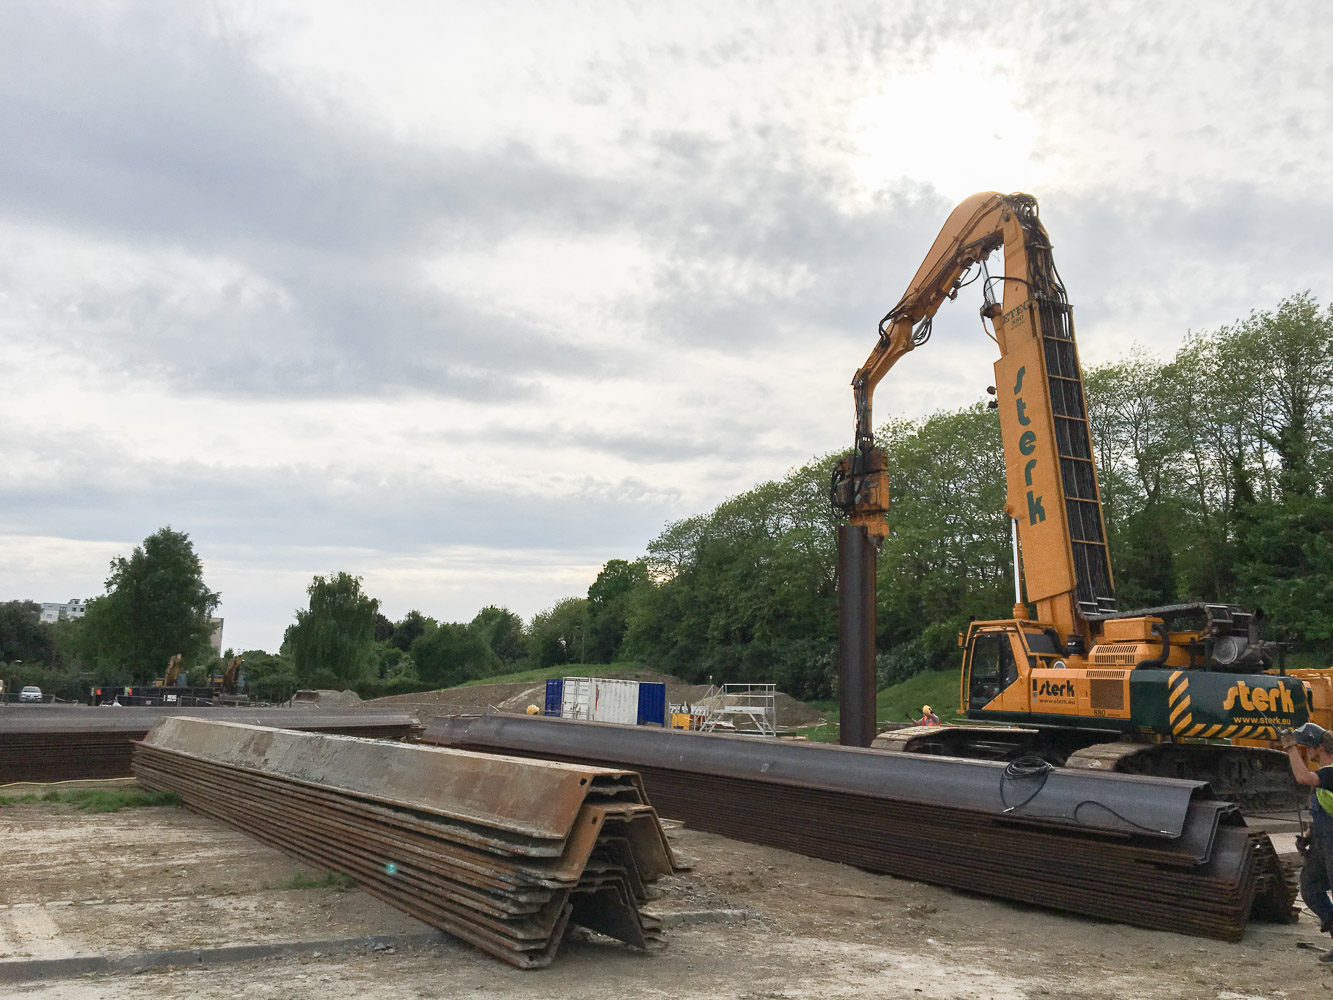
<point x="1052" y="482"/>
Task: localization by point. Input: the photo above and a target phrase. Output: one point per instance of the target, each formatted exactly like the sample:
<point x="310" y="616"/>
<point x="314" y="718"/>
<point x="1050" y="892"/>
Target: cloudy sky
<point x="467" y="299"/>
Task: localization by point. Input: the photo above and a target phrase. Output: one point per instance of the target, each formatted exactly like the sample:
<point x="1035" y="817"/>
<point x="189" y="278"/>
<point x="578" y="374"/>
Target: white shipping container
<point x="600" y="699"/>
<point x="576" y="699"/>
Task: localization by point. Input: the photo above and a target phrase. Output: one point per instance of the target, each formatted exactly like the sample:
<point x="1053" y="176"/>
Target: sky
<point x="468" y="299"/>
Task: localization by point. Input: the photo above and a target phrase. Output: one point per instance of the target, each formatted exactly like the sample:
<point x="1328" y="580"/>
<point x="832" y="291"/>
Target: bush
<point x="64" y="685"/>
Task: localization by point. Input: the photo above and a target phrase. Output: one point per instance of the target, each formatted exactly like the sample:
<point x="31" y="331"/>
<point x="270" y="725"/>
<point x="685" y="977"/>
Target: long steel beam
<point x="1193" y="867"/>
<point x="1079" y="799"/>
<point x="856" y="636"/>
<point x="61" y="744"/>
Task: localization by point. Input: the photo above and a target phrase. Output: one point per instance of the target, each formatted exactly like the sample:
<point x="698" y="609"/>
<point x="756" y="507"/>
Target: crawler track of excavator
<point x="1255" y="779"/>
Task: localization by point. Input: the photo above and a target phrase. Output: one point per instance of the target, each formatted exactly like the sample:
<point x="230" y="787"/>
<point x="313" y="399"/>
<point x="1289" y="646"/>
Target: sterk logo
<point x="1047" y="689"/>
<point x="1027" y="444"/>
<point x="1276" y="699"/>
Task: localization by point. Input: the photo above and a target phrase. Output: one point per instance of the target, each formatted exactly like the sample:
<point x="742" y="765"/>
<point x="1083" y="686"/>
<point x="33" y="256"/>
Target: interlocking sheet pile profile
<point x="502" y="852"/>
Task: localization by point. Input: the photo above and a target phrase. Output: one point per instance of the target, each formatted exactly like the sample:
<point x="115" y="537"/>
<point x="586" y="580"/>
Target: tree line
<point x="1216" y="472"/>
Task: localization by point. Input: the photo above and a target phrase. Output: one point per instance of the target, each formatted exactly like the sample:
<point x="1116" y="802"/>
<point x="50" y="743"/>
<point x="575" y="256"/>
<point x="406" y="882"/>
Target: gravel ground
<point x="144" y="879"/>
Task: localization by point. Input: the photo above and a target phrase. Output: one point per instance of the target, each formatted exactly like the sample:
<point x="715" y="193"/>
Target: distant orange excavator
<point x="227" y="681"/>
<point x="172" y="675"/>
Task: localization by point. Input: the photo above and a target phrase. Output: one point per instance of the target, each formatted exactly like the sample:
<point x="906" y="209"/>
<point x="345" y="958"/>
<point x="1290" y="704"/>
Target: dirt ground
<point x="78" y="883"/>
<point x="148" y="879"/>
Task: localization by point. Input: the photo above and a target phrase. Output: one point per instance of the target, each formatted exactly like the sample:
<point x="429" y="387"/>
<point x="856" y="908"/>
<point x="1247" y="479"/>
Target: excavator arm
<point x="971" y="234"/>
<point x="1052" y="489"/>
<point x="232" y="674"/>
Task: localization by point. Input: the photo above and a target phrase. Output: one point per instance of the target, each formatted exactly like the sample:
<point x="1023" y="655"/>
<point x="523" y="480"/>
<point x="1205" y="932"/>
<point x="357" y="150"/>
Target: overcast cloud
<point x="469" y="299"/>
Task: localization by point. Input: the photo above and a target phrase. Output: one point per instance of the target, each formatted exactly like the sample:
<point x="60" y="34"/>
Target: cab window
<point x="1044" y="643"/>
<point x="993" y="668"/>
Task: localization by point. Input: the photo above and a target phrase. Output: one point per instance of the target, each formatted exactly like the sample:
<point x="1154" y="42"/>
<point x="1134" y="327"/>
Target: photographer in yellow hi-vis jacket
<point x="1318" y="868"/>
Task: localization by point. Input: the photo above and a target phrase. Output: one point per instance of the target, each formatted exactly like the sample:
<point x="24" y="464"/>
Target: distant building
<point x="215" y="639"/>
<point x="75" y="608"/>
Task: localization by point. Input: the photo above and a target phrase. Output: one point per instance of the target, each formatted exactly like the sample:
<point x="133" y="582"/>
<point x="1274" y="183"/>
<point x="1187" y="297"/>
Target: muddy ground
<point x="146" y="879"/>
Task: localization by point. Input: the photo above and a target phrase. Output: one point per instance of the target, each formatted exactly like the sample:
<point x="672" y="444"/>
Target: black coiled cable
<point x="1032" y="766"/>
<point x="1027" y="766"/>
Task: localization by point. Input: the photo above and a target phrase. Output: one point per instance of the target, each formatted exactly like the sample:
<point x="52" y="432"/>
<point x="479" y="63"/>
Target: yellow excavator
<point x="1068" y="677"/>
<point x="172" y="675"/>
<point x="226" y="682"/>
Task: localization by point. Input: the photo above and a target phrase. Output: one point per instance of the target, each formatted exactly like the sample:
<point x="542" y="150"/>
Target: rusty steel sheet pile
<point x="1152" y="852"/>
<point x="65" y="743"/>
<point x="502" y="852"/>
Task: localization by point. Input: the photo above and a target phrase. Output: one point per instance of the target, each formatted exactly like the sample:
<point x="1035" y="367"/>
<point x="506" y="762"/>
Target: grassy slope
<point x="901" y="702"/>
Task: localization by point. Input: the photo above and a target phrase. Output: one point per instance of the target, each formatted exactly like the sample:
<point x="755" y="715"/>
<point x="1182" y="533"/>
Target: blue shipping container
<point x="555" y="695"/>
<point x="652" y="703"/>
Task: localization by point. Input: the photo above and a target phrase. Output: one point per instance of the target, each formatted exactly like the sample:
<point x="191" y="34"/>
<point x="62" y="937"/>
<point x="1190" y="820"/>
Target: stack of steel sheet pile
<point x="72" y="742"/>
<point x="501" y="852"/>
<point x="1154" y="852"/>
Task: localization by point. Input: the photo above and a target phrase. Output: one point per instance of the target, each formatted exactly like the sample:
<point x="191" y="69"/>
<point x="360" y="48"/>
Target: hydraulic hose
<point x="1160" y="659"/>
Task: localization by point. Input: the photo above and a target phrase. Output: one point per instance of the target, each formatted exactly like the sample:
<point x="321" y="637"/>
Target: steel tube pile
<point x="74" y="742"/>
<point x="1153" y="852"/>
<point x="502" y="852"/>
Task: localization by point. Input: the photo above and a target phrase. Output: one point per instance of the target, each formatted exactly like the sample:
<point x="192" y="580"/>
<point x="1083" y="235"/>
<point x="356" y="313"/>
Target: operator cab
<point x="992" y="668"/>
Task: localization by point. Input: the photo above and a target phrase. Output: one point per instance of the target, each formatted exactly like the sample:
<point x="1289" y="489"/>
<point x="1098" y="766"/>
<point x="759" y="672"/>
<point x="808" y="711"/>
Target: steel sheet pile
<point x="67" y="743"/>
<point x="1153" y="852"/>
<point x="502" y="852"/>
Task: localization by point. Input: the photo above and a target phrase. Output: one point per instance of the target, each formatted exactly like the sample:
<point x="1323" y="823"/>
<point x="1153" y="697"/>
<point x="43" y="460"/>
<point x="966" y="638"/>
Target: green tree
<point x="559" y="635"/>
<point x="1287" y="568"/>
<point x="332" y="640"/>
<point x="268" y="676"/>
<point x="69" y="638"/>
<point x="395" y="665"/>
<point x="947" y="556"/>
<point x="450" y="654"/>
<point x="1286" y="357"/>
<point x="1215" y="467"/>
<point x="413" y="626"/>
<point x="503" y="632"/>
<point x="1139" y="448"/>
<point x="1254" y="411"/>
<point x="745" y="593"/>
<point x="609" y="599"/>
<point x="22" y="634"/>
<point x="156" y="605"/>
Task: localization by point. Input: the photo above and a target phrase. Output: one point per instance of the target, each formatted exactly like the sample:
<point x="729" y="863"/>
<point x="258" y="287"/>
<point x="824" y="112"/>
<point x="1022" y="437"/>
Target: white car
<point x="30" y="693"/>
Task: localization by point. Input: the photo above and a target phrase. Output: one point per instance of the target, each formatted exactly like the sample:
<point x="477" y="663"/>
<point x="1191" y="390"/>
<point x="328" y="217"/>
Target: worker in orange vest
<point x="928" y="718"/>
